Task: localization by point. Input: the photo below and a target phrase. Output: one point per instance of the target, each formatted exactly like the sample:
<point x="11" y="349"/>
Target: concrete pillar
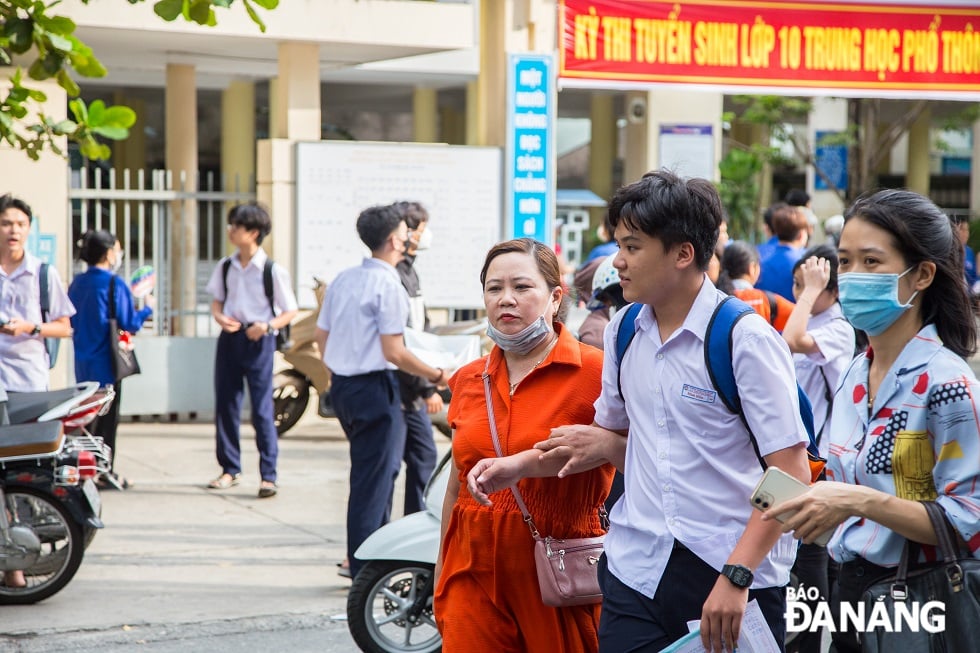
<point x="602" y="150"/>
<point x="130" y="154"/>
<point x="473" y="112"/>
<point x="296" y="94"/>
<point x="238" y="135"/>
<point x="294" y="116"/>
<point x="181" y="160"/>
<point x="491" y="84"/>
<point x="648" y="111"/>
<point x="425" y="115"/>
<point x="917" y="178"/>
<point x="43" y="184"/>
<point x="828" y="114"/>
<point x="452" y="126"/>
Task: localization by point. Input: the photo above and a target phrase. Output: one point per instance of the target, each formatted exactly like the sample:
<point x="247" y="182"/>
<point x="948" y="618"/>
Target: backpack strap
<point x="718" y="344"/>
<point x="267" y="284"/>
<point x="773" y="305"/>
<point x="45" y="292"/>
<point x="224" y="275"/>
<point x="624" y="336"/>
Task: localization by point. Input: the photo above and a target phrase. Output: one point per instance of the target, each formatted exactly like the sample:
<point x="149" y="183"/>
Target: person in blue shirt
<point x="962" y="224"/>
<point x="790" y="226"/>
<point x="89" y="292"/>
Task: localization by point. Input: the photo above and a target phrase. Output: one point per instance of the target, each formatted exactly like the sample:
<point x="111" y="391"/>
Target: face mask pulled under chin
<point x="524" y="340"/>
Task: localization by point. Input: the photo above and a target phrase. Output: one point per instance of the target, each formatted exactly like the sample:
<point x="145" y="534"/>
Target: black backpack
<point x="283" y="341"/>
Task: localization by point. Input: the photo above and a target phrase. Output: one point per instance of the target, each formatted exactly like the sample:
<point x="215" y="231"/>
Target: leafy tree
<point x="28" y="32"/>
<point x="739" y="190"/>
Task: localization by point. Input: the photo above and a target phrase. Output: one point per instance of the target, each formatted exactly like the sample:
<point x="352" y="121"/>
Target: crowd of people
<point x="561" y="425"/>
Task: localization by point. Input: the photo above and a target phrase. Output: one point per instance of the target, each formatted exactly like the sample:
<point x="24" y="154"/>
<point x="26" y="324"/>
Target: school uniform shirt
<point x="90" y="325"/>
<point x="246" y="300"/>
<point x="690" y="466"/>
<point x="23" y="358"/>
<point x="920" y="441"/>
<point x="362" y="304"/>
<point x="819" y="372"/>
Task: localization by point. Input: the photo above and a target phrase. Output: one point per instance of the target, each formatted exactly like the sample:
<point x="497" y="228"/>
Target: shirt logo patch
<point x="698" y="394"/>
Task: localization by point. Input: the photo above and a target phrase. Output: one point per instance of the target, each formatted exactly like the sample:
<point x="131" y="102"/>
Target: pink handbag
<point x="567" y="569"/>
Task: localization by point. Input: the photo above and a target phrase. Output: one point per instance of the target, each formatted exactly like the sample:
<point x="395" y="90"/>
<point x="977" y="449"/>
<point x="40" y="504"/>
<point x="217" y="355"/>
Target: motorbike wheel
<point x="379" y="608"/>
<point x="290" y="396"/>
<point x="61" y="545"/>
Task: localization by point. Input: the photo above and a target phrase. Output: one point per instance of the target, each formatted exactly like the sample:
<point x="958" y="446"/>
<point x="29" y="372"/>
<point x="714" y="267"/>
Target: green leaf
<point x="36" y="95"/>
<point x="225" y="4"/>
<point x="58" y="24"/>
<point x="79" y="109"/>
<point x="20" y="35"/>
<point x="169" y="9"/>
<point x="96" y="114"/>
<point x="115" y="133"/>
<point x="253" y="15"/>
<point x="200" y="11"/>
<point x="267" y="4"/>
<point x="119" y="116"/>
<point x="64" y="127"/>
<point x="66" y="82"/>
<point x="38" y="71"/>
<point x="59" y="42"/>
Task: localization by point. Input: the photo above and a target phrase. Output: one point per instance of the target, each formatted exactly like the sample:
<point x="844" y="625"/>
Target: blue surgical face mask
<point x="870" y="300"/>
<point x="524" y="340"/>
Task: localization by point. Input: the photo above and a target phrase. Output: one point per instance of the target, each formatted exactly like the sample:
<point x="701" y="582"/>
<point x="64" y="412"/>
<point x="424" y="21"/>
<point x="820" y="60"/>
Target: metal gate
<point x="141" y="209"/>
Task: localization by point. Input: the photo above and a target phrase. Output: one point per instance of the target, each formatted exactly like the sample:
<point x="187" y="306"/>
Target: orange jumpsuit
<point x="488" y="598"/>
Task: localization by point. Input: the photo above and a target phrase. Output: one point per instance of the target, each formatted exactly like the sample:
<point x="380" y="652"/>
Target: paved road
<point x="182" y="568"/>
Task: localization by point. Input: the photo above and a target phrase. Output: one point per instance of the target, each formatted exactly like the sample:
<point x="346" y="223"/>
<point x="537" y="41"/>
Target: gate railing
<point x="141" y="208"/>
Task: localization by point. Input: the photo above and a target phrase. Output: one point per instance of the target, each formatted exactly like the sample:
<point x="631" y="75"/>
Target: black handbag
<point x="124" y="361"/>
<point x="954" y="583"/>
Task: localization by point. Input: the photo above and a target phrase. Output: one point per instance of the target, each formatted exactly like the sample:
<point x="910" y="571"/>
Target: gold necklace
<point x="513" y="386"/>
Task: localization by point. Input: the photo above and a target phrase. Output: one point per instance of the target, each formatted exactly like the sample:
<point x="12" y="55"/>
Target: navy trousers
<point x="239" y="358"/>
<point x="420" y="457"/>
<point x="634" y="623"/>
<point x="368" y="407"/>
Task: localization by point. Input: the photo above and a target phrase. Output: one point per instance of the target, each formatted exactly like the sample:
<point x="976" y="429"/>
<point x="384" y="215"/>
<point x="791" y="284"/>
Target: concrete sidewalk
<point x="175" y="553"/>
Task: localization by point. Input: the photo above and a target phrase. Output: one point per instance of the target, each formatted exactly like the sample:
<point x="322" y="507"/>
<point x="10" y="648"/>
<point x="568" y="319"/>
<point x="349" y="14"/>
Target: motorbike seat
<point x="23" y="407"/>
<point x="27" y="440"/>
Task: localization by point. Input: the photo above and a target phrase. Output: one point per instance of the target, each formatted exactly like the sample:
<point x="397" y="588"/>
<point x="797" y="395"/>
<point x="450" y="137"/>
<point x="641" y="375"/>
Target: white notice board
<point x="459" y="186"/>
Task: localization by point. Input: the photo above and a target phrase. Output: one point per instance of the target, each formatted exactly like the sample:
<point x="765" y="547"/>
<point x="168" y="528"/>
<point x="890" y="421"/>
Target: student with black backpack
<point x="684" y="543"/>
<point x="250" y="316"/>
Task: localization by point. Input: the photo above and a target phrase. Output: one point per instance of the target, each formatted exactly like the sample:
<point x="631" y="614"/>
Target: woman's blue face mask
<point x="869" y="300"/>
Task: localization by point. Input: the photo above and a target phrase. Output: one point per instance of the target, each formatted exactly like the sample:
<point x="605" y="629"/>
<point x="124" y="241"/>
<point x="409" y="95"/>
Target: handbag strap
<point x="112" y="297"/>
<point x="496" y="446"/>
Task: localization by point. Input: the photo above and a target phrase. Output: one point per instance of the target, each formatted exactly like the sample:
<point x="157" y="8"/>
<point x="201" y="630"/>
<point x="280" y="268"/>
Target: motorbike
<point x="292" y="385"/>
<point x="49" y="508"/>
<point x="389" y="607"/>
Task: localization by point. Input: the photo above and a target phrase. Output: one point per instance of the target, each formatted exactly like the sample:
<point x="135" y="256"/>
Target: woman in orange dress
<point x="487" y="596"/>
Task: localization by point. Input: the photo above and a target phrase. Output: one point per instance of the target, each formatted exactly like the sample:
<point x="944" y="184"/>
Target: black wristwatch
<point x="36" y="331"/>
<point x="739" y="575"/>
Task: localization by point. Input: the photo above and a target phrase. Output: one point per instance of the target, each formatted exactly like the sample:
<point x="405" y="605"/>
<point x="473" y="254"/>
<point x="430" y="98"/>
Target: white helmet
<point x="605" y="275"/>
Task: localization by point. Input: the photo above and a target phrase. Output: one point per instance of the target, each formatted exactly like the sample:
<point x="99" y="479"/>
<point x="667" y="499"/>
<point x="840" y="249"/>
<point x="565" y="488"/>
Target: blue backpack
<point x="718" y="360"/>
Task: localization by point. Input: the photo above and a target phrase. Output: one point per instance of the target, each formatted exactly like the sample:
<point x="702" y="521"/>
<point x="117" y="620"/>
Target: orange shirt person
<point x="487" y="596"/>
<point x="740" y="267"/>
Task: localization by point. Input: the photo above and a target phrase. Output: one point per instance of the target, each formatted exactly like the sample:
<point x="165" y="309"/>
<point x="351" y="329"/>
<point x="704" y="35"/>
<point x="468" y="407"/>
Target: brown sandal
<point x="224" y="482"/>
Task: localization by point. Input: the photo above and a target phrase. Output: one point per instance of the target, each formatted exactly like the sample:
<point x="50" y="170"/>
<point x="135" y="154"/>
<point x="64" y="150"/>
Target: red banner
<point x="779" y="47"/>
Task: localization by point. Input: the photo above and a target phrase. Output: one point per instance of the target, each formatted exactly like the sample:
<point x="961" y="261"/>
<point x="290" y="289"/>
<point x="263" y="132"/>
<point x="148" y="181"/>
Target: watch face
<point x="739" y="575"/>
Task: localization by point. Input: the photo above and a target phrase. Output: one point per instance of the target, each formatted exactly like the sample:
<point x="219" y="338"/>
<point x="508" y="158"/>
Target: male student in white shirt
<point x="684" y="543"/>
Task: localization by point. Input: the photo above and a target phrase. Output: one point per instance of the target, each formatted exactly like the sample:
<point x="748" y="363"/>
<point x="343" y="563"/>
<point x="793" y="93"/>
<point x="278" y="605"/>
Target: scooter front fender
<point x="413" y="537"/>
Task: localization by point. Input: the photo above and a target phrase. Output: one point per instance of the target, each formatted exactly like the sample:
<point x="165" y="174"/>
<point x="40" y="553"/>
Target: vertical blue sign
<point x="832" y="160"/>
<point x="530" y="157"/>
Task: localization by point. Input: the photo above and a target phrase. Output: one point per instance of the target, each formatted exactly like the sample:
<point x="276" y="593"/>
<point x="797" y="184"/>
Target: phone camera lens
<point x="765" y="505"/>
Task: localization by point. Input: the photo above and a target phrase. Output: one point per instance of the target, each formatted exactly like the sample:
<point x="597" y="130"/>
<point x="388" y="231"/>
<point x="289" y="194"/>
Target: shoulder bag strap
<point x="496" y="447"/>
<point x="112" y="297"/>
<point x="45" y="292"/>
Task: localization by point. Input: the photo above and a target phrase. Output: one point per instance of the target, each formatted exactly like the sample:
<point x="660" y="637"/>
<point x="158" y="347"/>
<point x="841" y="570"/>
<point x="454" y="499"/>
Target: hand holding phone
<point x="775" y="487"/>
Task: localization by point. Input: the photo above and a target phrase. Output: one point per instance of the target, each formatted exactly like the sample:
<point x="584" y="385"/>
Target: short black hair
<point x="251" y="216"/>
<point x="672" y="209"/>
<point x="797" y="197"/>
<point x="95" y="244"/>
<point x="413" y="212"/>
<point x="8" y="201"/>
<point x="376" y="223"/>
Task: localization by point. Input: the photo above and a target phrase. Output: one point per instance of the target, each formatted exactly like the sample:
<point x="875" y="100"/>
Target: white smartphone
<point x="777" y="486"/>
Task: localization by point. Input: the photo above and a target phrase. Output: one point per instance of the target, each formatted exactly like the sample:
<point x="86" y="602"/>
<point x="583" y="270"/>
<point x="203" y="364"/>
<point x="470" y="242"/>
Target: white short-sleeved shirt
<point x="246" y="300"/>
<point x="920" y="442"/>
<point x="819" y="372"/>
<point x="23" y="359"/>
<point x="362" y="304"/>
<point x="690" y="466"/>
